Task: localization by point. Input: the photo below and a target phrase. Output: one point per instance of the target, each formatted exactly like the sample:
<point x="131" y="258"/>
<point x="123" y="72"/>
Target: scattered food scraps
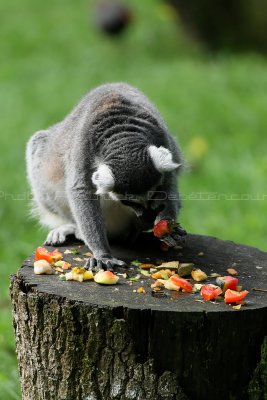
<point x="79" y="274"/>
<point x="62" y="264"/>
<point x="106" y="278"/>
<point x="227" y="282"/>
<point x="232" y="271"/>
<point x="169" y="285"/>
<point x="237" y="307"/>
<point x="71" y="251"/>
<point x="135" y="278"/>
<point x="141" y="290"/>
<point x="136" y="263"/>
<point x="146" y="266"/>
<point x="67" y="251"/>
<point x="162" y="274"/>
<point x="169" y="265"/>
<point x="197" y="287"/>
<point x="231" y="296"/>
<point x="199" y="275"/>
<point x="168" y="276"/>
<point x="144" y="272"/>
<point x="185" y="269"/>
<point x="183" y="283"/>
<point x="214" y="275"/>
<point x="209" y="291"/>
<point x="42" y="267"/>
<point x="42" y="253"/>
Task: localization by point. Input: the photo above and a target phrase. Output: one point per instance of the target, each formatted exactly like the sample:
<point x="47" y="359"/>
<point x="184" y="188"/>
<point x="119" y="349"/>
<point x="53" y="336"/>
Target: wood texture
<point x="86" y="341"/>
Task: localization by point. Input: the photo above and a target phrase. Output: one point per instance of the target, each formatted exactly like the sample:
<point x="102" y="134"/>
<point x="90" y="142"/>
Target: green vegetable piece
<point x="136" y="263"/>
<point x="135" y="278"/>
<point x="74" y="251"/>
<point x="144" y="272"/>
<point x="185" y="269"/>
<point x="164" y="276"/>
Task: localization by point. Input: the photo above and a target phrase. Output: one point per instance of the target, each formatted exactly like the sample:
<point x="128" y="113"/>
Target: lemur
<point x="107" y="171"/>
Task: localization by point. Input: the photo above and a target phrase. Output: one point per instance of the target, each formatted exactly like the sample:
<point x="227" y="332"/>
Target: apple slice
<point x="42" y="267"/>
<point x="106" y="278"/>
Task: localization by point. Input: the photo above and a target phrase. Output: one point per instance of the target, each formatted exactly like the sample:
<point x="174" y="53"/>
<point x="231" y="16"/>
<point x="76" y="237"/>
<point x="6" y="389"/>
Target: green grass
<point x="51" y="55"/>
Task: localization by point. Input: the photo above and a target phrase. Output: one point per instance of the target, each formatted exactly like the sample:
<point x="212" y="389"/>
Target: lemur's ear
<point x="103" y="179"/>
<point x="162" y="159"/>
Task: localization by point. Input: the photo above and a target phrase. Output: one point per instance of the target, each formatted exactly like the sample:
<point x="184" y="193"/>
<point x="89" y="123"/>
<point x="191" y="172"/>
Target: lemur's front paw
<point x="58" y="235"/>
<point x="169" y="232"/>
<point x="108" y="264"/>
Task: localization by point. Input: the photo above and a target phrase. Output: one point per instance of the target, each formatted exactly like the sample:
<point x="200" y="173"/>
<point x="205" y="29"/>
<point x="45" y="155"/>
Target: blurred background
<point x="201" y="62"/>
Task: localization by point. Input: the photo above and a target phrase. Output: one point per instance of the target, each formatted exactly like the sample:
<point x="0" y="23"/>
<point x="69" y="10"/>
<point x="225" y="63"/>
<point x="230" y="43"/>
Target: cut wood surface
<point x="89" y="341"/>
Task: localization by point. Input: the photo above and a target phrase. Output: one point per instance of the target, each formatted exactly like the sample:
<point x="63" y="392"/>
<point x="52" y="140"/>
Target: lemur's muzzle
<point x="147" y="214"/>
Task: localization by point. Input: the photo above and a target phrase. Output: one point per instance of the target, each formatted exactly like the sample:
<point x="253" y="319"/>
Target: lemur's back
<point x="114" y="108"/>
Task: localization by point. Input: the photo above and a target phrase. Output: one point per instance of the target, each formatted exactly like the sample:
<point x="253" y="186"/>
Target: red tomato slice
<point x="43" y="254"/>
<point x="227" y="282"/>
<point x="183" y="283"/>
<point x="209" y="291"/>
<point x="231" y="296"/>
<point x="161" y="228"/>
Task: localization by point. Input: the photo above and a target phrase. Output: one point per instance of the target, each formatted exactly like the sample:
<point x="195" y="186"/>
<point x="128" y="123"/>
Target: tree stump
<point x="78" y="341"/>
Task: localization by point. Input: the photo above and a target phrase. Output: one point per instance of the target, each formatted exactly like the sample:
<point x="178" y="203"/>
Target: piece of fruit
<point x="162" y="274"/>
<point x="231" y="296"/>
<point x="183" y="283"/>
<point x="141" y="290"/>
<point x="185" y="269"/>
<point x="106" y="278"/>
<point x="76" y="274"/>
<point x="88" y="275"/>
<point x="169" y="265"/>
<point x="42" y="253"/>
<point x="227" y="282"/>
<point x="56" y="255"/>
<point x="42" y="267"/>
<point x="162" y="228"/>
<point x="209" y="291"/>
<point x="232" y="271"/>
<point x="62" y="264"/>
<point x="159" y="283"/>
<point x="145" y="272"/>
<point x="146" y="266"/>
<point x="198" y="275"/>
<point x="169" y="285"/>
<point x="197" y="287"/>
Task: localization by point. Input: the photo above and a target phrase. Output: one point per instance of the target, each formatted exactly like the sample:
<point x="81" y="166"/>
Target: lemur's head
<point x="134" y="175"/>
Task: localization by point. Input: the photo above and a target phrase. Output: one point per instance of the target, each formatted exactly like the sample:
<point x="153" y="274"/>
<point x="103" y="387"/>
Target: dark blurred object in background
<point x="112" y="17"/>
<point x="232" y="24"/>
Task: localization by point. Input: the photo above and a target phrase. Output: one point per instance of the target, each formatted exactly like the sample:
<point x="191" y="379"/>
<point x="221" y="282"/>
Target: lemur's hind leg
<point x="58" y="235"/>
<point x="60" y="227"/>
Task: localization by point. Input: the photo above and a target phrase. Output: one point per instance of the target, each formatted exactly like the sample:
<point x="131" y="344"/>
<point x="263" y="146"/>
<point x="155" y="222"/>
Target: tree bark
<point x="79" y="341"/>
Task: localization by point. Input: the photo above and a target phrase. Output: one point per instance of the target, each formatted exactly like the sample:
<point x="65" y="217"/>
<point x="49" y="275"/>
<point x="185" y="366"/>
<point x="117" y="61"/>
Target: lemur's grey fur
<point x="114" y="143"/>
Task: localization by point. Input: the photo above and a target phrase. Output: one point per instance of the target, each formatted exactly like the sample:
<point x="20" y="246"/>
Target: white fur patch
<point x="103" y="179"/>
<point x="162" y="159"/>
